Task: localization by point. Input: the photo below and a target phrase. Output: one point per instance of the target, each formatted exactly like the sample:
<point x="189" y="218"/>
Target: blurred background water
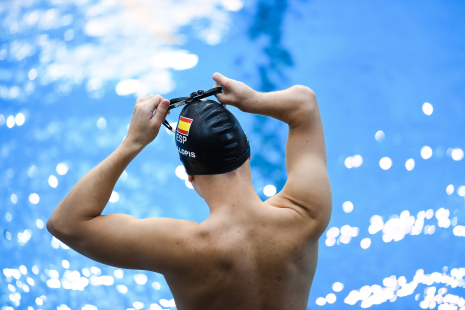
<point x="389" y="78"/>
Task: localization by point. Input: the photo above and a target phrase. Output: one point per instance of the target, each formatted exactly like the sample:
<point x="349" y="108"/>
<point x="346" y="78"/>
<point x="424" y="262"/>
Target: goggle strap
<point x="200" y="94"/>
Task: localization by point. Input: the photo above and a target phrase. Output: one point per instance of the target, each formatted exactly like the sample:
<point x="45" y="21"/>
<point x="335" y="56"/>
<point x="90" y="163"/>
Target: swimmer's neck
<point x="232" y="193"/>
<point x="234" y="198"/>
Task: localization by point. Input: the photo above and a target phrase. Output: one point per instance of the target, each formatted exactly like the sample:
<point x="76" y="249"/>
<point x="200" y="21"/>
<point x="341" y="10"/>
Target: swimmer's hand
<point x="145" y="125"/>
<point x="235" y="93"/>
<point x="288" y="105"/>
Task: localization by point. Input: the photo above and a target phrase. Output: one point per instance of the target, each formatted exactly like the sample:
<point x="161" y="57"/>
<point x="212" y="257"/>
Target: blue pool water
<point x="389" y="78"/>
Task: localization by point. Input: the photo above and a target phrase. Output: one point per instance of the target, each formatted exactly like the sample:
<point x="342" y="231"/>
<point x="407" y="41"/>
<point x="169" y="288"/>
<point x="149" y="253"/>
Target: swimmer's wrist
<point x="249" y="102"/>
<point x="132" y="146"/>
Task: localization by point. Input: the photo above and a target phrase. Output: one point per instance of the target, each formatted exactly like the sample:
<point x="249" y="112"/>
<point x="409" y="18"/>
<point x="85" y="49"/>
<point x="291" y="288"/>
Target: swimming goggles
<point x="197" y="95"/>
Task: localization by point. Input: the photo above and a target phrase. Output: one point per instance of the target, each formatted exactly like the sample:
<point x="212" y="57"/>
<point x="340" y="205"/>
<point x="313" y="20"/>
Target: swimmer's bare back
<point x="247" y="254"/>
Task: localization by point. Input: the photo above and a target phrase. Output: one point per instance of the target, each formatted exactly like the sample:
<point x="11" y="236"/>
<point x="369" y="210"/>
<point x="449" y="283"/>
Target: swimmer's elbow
<point x="304" y="92"/>
<point x="49" y="226"/>
<point x="306" y="96"/>
<point x="52" y="228"/>
<point x="307" y="104"/>
<point x="56" y="229"/>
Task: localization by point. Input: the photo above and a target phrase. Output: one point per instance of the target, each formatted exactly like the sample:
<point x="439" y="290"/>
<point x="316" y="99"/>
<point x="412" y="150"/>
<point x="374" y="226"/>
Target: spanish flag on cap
<point x="184" y="125"/>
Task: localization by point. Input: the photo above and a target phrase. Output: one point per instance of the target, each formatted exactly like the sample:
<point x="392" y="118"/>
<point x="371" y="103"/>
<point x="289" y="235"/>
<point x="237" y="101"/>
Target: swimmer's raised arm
<point x="283" y="105"/>
<point x="120" y="240"/>
<point x="307" y="187"/>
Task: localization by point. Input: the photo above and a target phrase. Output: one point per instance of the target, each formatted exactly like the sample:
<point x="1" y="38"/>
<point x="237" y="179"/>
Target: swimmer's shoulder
<point x="291" y="213"/>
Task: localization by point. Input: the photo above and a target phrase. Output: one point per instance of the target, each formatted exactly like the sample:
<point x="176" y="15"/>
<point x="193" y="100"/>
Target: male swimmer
<point x="249" y="253"/>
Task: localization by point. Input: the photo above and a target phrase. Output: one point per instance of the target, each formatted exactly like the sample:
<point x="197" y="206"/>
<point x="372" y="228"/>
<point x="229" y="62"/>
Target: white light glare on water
<point x="426" y="152"/>
<point x="32" y="74"/>
<point x="10" y="121"/>
<point x="188" y="184"/>
<point x="461" y="191"/>
<point x="427" y="108"/>
<point x="456" y="154"/>
<point x="385" y="163"/>
<point x="379" y="136"/>
<point x="20" y="119"/>
<point x="140" y="278"/>
<point x="232" y="5"/>
<point x="62" y="168"/>
<point x="34" y="198"/>
<point x="337" y="286"/>
<point x="353" y="161"/>
<point x="450" y="189"/>
<point x="410" y="164"/>
<point x="365" y="243"/>
<point x="320" y="301"/>
<point x="123" y="289"/>
<point x="347" y="206"/>
<point x="101" y="123"/>
<point x="124" y="176"/>
<point x="269" y="190"/>
<point x="53" y="181"/>
<point x="114" y="197"/>
<point x="32" y="171"/>
<point x="40" y="224"/>
<point x="118" y="273"/>
<point x="181" y="172"/>
<point x="331" y="298"/>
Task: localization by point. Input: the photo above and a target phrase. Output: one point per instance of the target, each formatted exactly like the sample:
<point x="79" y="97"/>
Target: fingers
<point x="153" y="102"/>
<point x="221" y="80"/>
<point x="160" y="114"/>
<point x="142" y="99"/>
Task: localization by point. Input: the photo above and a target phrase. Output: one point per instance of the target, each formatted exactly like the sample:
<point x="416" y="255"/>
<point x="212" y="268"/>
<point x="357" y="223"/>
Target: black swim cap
<point x="210" y="139"/>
